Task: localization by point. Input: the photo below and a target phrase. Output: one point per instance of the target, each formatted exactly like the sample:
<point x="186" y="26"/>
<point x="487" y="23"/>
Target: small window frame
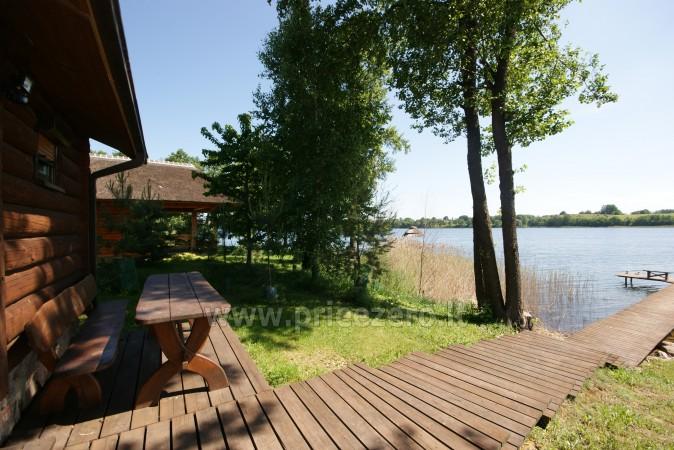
<point x="45" y="164"/>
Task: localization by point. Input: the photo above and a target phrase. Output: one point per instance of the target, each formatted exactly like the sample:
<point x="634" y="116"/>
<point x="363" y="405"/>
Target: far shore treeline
<point x="664" y="217"/>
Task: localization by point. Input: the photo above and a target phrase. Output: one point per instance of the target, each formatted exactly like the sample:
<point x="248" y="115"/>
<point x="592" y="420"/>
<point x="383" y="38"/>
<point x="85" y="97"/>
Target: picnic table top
<point x="178" y="296"/>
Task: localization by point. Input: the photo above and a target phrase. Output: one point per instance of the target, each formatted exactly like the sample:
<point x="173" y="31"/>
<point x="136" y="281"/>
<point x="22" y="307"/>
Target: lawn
<point x="617" y="409"/>
<point x="309" y="329"/>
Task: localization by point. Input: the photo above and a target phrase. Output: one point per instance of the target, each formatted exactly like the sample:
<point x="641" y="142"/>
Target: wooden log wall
<point x="4" y="366"/>
<point x="44" y="231"/>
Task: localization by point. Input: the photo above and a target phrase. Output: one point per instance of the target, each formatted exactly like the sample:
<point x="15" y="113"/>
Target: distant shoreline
<point x="550" y="221"/>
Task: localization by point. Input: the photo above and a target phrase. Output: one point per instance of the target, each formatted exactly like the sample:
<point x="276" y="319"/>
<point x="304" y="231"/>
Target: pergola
<point x="173" y="183"/>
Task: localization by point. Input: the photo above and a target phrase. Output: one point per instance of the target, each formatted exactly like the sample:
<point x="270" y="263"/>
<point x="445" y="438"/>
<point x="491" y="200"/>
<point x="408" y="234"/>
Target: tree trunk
<point x="514" y="309"/>
<point x="487" y="283"/>
<point x="249" y="247"/>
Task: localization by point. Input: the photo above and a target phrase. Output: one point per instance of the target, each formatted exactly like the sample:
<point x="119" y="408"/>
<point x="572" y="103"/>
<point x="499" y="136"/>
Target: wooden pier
<point x="650" y="275"/>
<point x="487" y="395"/>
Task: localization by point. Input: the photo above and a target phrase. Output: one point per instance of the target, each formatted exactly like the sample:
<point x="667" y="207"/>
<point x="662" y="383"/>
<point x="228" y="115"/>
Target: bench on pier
<point x="93" y="349"/>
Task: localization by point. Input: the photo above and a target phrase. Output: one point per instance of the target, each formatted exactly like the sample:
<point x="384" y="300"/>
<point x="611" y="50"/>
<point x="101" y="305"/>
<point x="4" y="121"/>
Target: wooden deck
<point x="139" y="357"/>
<point x="488" y="395"/>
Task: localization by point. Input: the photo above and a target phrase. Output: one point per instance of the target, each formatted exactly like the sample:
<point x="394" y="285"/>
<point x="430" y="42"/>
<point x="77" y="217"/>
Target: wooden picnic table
<point x="167" y="301"/>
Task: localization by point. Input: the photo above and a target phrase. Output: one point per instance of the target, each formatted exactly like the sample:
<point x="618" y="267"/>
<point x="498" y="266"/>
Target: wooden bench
<point x="92" y="349"/>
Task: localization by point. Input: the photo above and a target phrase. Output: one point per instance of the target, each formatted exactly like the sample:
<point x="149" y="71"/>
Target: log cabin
<point x="172" y="184"/>
<point x="64" y="79"/>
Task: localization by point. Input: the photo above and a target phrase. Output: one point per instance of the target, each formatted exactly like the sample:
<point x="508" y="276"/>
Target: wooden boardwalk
<point x="488" y="395"/>
<point x="633" y="333"/>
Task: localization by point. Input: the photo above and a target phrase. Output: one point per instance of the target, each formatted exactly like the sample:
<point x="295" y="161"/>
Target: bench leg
<point x="86" y="387"/>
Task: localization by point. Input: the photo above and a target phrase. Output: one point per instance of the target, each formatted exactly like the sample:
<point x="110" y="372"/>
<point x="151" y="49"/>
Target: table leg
<point x="210" y="370"/>
<point x="181" y="356"/>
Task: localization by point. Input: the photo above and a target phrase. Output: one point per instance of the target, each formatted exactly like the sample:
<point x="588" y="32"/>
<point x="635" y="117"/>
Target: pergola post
<point x="193" y="235"/>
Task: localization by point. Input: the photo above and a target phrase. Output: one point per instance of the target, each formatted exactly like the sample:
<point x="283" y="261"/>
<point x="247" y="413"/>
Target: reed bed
<point x="444" y="274"/>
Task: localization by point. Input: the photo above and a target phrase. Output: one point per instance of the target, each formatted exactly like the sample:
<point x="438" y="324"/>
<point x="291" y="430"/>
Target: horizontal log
<point x="24" y="138"/>
<point x="21" y="165"/>
<point x="18" y="314"/>
<point x="20" y="253"/>
<point x="20" y="284"/>
<point x="17" y="133"/>
<point x="27" y="193"/>
<point x="21" y="221"/>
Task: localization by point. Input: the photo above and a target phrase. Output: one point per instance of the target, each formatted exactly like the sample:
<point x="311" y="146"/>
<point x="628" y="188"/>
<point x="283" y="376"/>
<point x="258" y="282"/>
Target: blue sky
<point x="196" y="62"/>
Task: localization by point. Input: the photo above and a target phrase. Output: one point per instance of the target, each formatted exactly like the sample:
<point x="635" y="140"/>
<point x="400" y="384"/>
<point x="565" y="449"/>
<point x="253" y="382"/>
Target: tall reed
<point x="447" y="276"/>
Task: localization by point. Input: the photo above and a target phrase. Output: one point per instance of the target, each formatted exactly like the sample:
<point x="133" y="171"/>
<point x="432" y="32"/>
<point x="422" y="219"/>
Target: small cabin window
<point x="45" y="163"/>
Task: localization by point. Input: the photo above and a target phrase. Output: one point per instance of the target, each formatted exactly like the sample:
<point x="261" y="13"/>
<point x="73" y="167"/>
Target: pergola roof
<point x="173" y="183"/>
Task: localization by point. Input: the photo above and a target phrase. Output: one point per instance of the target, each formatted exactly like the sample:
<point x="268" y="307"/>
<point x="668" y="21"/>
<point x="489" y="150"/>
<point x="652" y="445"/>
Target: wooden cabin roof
<point x="75" y="53"/>
<point x="172" y="182"/>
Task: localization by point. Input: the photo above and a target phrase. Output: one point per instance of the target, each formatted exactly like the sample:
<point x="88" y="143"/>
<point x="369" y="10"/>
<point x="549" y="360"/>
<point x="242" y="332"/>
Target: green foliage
<point x="181" y="156"/>
<point x="237" y="169"/>
<point x="585" y="219"/>
<point x="327" y="116"/>
<point x="610" y="209"/>
<point x="617" y="409"/>
<point x="144" y="228"/>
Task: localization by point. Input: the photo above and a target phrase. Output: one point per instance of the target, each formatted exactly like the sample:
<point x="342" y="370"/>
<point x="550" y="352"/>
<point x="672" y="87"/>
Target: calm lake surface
<point x="591" y="255"/>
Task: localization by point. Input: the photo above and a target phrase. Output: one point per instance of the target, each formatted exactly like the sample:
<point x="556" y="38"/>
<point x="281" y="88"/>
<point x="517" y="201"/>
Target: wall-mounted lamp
<point x="20" y="92"/>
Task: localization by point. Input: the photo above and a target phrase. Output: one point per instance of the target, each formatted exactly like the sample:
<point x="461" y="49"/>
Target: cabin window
<point x="45" y="163"/>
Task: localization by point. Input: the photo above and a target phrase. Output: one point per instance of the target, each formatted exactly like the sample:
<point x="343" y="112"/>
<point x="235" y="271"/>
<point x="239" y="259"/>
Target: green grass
<point x="321" y="328"/>
<point x="617" y="409"/>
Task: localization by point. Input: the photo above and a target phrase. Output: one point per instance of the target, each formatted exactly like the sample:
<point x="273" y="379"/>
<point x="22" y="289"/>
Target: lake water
<point x="591" y="255"/>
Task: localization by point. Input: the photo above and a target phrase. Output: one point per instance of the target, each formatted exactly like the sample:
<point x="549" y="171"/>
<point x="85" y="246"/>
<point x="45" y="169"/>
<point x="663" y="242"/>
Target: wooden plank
<point x="256" y="378"/>
<point x="435" y="429"/>
<point x="95" y="346"/>
<point x="338" y="432"/>
<point x="285" y="429"/>
<point x="454" y="417"/>
<point x="184" y="432"/>
<point x="353" y="421"/>
<point x="515" y="432"/>
<point x="234" y="427"/>
<point x="212" y="303"/>
<point x="314" y="434"/>
<point x="150" y="362"/>
<point x="533" y="370"/>
<point x="106" y="443"/>
<point x="477" y="387"/>
<point x="512" y="420"/>
<point x="20" y="253"/>
<point x="158" y="436"/>
<point x="131" y="440"/>
<point x="216" y="396"/>
<point x="397" y="437"/>
<point x="210" y="432"/>
<point x="118" y="415"/>
<point x="20" y="284"/>
<point x="172" y="404"/>
<point x="506" y="373"/>
<point x="153" y="305"/>
<point x="238" y="380"/>
<point x="183" y="304"/>
<point x="21" y="221"/>
<point x="259" y="427"/>
<point x="89" y="422"/>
